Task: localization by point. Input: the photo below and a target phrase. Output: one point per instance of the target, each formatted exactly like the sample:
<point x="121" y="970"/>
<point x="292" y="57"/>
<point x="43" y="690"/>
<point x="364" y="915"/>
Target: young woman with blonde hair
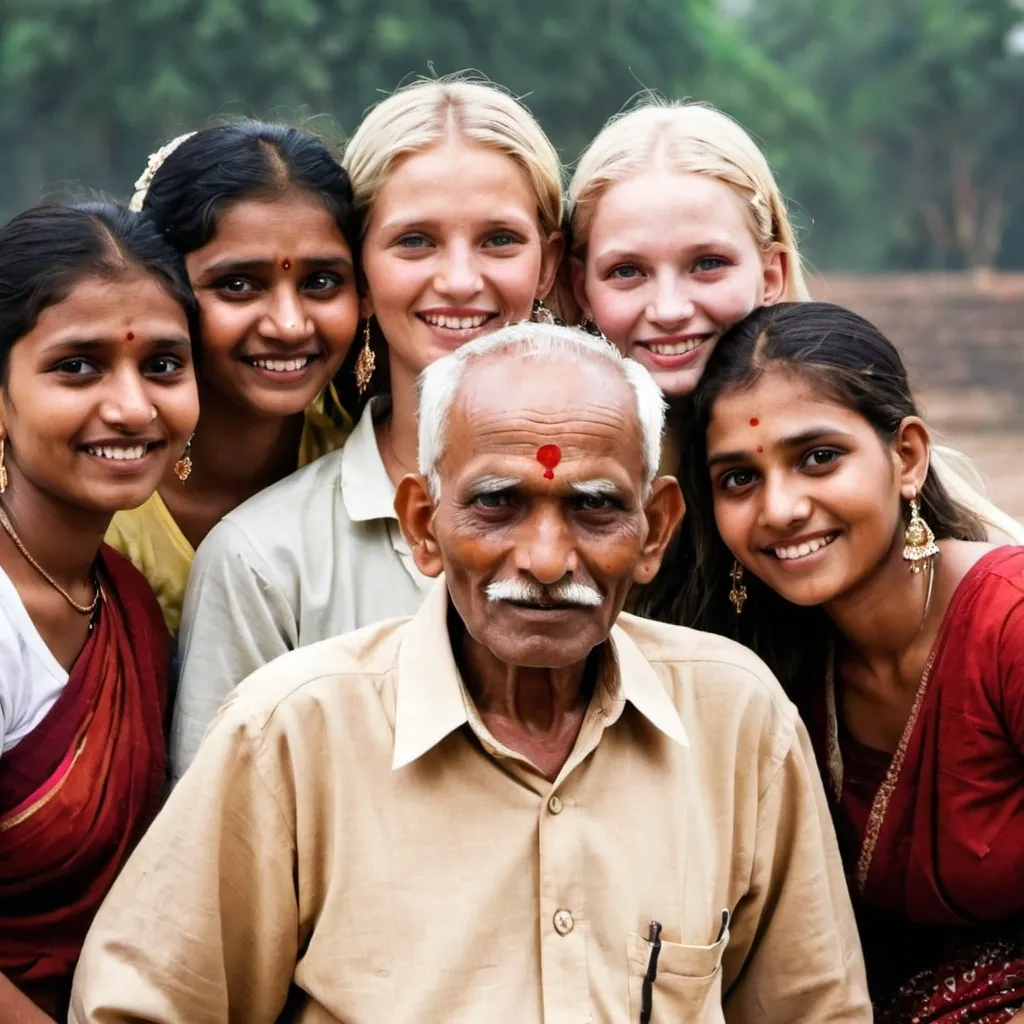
<point x="679" y="231"/>
<point x="460" y="193"/>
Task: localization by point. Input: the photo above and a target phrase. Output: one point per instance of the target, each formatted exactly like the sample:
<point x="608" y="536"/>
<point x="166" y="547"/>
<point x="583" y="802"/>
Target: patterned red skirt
<point x="985" y="986"/>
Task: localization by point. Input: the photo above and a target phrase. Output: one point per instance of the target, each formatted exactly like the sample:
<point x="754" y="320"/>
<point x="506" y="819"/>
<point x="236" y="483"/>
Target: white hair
<point x="439" y="385"/>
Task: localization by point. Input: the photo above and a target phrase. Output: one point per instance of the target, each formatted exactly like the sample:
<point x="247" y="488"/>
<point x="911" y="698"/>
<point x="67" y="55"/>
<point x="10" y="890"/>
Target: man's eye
<point x="496" y="500"/>
<point x="594" y="503"/>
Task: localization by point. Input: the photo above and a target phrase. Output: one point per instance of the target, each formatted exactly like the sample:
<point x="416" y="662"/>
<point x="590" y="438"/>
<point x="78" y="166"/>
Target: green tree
<point x="91" y="86"/>
<point x="919" y="151"/>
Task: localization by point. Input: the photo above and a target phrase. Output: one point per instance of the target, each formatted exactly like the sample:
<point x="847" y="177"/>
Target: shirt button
<point x="564" y="922"/>
<point x="555" y="805"/>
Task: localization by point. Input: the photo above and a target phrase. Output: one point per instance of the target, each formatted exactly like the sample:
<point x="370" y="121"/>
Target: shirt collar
<point x="366" y="488"/>
<point x="432" y="699"/>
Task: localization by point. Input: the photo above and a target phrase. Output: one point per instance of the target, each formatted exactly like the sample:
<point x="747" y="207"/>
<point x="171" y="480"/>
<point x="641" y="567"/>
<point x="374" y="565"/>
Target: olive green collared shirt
<point x="351" y="844"/>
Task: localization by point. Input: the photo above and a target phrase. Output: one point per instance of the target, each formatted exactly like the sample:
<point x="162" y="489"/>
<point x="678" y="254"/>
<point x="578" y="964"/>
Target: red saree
<point x="77" y="792"/>
<point x="933" y="837"/>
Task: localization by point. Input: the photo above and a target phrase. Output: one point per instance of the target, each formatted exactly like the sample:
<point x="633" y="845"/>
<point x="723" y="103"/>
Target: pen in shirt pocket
<point x="654" y="940"/>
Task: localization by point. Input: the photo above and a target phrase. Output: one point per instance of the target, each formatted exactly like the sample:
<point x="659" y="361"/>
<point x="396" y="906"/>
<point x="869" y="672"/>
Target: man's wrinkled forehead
<point x="523" y="407"/>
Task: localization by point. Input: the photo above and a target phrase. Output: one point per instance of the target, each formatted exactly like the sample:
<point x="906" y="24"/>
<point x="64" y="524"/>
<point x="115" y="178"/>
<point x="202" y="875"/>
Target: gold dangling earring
<point x="738" y="592"/>
<point x="591" y="327"/>
<point x="919" y="545"/>
<point x="183" y="467"/>
<point x="366" y="362"/>
<point x="3" y="467"/>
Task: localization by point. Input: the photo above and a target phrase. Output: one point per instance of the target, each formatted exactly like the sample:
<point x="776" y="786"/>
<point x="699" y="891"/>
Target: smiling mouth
<point x="280" y="365"/>
<point x="674" y="348"/>
<point x="456" y="323"/>
<point x="122" y="453"/>
<point x="791" y="552"/>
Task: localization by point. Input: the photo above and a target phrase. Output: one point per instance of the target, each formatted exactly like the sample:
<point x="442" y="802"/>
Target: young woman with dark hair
<point x="97" y="400"/>
<point x="263" y="215"/>
<point x="824" y="541"/>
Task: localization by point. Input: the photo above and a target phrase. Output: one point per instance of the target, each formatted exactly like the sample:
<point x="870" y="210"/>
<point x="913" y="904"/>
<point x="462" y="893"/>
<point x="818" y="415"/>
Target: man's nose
<point x="546" y="547"/>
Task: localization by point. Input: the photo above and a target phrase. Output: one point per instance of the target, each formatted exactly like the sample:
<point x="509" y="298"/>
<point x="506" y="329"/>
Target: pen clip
<point x="647" y="989"/>
<point x="726" y="918"/>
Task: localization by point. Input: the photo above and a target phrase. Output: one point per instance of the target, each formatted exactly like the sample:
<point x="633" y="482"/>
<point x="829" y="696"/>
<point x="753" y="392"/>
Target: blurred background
<point x="892" y="126"/>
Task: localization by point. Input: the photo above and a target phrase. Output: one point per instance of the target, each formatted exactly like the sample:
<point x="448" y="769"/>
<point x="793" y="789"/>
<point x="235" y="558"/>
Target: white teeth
<point x="282" y="365"/>
<point x="676" y="348"/>
<point x="456" y="323"/>
<point x="804" y="549"/>
<point x="118" y="454"/>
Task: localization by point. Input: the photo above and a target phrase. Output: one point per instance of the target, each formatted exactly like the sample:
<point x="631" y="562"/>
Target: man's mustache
<point x="524" y="590"/>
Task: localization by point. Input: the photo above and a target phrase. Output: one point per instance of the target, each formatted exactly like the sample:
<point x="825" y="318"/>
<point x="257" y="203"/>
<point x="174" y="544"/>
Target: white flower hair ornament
<point x="153" y="165"/>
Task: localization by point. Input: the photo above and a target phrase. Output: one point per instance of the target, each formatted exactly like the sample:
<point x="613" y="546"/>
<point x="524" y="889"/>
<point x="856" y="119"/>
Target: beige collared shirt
<point x="318" y="554"/>
<point x="352" y="845"/>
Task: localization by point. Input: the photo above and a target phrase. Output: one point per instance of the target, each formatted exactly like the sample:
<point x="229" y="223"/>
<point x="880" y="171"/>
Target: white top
<point x="31" y="678"/>
<point x="318" y="554"/>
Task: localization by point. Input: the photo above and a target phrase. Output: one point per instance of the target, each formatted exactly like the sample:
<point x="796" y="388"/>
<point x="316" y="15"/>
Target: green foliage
<point x="890" y="123"/>
<point x="92" y="86"/>
<point x="915" y="156"/>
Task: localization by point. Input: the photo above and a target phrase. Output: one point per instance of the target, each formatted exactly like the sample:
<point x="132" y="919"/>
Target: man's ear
<point x="664" y="511"/>
<point x="415" y="511"/>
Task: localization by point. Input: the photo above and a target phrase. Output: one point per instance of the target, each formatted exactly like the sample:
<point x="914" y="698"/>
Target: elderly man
<point x="518" y="805"/>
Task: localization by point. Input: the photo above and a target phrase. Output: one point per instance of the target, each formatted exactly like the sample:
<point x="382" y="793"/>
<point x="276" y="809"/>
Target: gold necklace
<point x="84" y="609"/>
<point x="833" y="754"/>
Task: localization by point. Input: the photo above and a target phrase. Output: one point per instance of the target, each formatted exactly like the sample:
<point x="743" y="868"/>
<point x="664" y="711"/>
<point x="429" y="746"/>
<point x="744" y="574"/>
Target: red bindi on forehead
<point x="754" y="421"/>
<point x="286" y="264"/>
<point x="549" y="456"/>
<point x="130" y="335"/>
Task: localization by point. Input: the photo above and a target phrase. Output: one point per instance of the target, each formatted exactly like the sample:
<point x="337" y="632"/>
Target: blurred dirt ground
<point x="962" y="338"/>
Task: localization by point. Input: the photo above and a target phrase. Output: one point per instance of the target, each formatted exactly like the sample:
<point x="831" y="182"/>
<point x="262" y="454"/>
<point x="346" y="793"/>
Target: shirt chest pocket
<point x="688" y="983"/>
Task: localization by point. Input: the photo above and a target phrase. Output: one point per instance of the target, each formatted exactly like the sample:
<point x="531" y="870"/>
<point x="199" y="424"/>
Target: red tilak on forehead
<point x="549" y="456"/>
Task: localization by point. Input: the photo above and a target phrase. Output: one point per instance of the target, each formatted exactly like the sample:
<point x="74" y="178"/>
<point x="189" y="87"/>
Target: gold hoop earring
<point x="737" y="592"/>
<point x="919" y="545"/>
<point x="366" y="362"/>
<point x="3" y="467"/>
<point x="542" y="315"/>
<point x="183" y="467"/>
